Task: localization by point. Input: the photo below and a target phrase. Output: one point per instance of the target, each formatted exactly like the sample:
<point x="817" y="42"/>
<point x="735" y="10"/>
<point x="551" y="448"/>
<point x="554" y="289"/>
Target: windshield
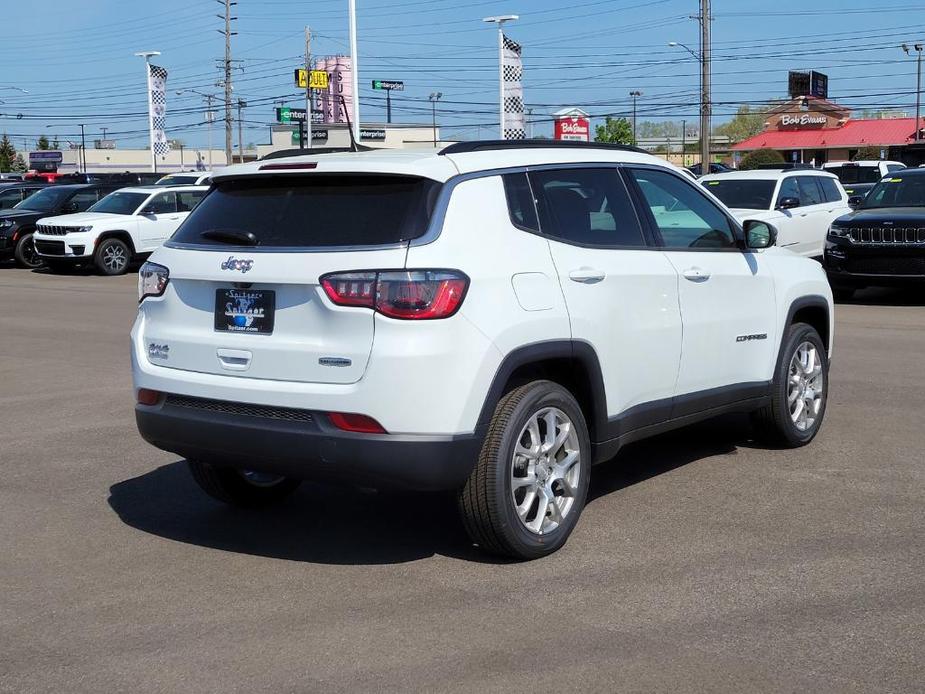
<point x="46" y="200"/>
<point x="119" y="203"/>
<point x="177" y="180"/>
<point x="856" y="174"/>
<point x="743" y="194"/>
<point x="314" y="210"/>
<point x="906" y="191"/>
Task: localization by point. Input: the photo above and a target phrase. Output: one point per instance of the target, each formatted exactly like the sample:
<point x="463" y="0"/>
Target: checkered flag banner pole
<point x="512" y="71"/>
<point x="157" y="110"/>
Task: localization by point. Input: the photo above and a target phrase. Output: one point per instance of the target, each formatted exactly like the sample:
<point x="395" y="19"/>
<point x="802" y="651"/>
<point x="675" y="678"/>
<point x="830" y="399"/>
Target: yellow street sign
<point x="319" y="79"/>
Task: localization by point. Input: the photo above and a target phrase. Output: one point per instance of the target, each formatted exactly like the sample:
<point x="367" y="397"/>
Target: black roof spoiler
<point x="489" y="145"/>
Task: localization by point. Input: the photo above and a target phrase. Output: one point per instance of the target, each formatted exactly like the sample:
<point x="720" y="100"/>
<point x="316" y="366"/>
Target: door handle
<point x="173" y="218"/>
<point x="586" y="275"/>
<point x="696" y="274"/>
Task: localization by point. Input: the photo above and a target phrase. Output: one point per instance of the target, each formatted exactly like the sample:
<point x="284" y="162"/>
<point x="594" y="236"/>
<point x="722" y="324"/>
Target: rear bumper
<point x="308" y="447"/>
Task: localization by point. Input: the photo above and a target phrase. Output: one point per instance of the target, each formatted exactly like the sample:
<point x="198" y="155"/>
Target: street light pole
<point x="635" y="94"/>
<point x="500" y="22"/>
<point x="434" y="98"/>
<point x="918" y="89"/>
<point x="705" y="109"/>
<point x="355" y="72"/>
<point x="241" y="104"/>
<point x="83" y="148"/>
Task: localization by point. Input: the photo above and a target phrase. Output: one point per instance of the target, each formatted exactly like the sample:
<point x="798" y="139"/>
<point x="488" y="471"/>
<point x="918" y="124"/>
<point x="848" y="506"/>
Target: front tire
<point x="112" y="257"/>
<point x="241" y="487"/>
<point x="799" y="392"/>
<point x="25" y="253"/>
<point x="529" y="486"/>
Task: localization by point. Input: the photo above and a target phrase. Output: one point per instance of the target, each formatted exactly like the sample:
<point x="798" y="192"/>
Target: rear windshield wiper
<point x="232" y="236"/>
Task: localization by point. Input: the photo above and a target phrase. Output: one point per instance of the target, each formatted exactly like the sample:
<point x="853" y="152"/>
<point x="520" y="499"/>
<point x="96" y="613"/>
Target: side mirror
<point x="71" y="207"/>
<point x="147" y="212"/>
<point x="788" y="203"/>
<point x="855" y="201"/>
<point x="759" y="234"/>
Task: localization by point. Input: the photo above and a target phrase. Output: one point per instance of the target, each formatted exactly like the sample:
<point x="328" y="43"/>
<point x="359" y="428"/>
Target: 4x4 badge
<point x="234" y="264"/>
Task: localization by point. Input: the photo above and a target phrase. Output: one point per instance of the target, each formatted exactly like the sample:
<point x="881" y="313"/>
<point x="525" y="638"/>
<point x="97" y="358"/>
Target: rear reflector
<point x="358" y="423"/>
<point x="148" y="397"/>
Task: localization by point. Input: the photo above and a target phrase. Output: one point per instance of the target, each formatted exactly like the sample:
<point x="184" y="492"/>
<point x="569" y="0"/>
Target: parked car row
<point x="103" y="224"/>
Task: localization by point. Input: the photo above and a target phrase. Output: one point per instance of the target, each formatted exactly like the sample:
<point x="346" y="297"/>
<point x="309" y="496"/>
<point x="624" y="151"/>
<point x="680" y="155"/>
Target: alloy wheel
<point x="805" y="386"/>
<point x="545" y="471"/>
<point x="114" y="257"/>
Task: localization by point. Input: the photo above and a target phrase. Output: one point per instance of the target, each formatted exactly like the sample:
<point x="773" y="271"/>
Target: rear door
<point x="815" y="217"/>
<point x="726" y="296"/>
<point x="795" y="222"/>
<point x="621" y="292"/>
<point x="245" y="296"/>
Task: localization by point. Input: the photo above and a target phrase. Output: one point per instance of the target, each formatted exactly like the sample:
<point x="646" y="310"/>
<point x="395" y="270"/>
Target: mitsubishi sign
<point x="572" y="124"/>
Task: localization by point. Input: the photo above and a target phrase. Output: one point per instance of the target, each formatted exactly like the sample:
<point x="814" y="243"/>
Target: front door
<point x="726" y="295"/>
<point x="159" y="219"/>
<point x="621" y="292"/>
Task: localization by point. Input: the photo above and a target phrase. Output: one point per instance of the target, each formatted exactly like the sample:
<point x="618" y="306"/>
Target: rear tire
<point x="25" y="254"/>
<point x="241" y="488"/>
<point x="529" y="486"/>
<point x="112" y="257"/>
<point x="799" y="393"/>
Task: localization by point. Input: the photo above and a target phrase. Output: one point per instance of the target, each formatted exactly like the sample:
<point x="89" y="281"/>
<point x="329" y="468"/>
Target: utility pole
<point x="308" y="88"/>
<point x="683" y="143"/>
<point x="83" y="148"/>
<point x="241" y="104"/>
<point x="104" y="132"/>
<point x="434" y="98"/>
<point x="705" y="108"/>
<point x="227" y="84"/>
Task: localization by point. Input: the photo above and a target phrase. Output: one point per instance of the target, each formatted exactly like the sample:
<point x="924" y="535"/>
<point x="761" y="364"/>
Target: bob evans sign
<point x="573" y="129"/>
<point x="803" y="120"/>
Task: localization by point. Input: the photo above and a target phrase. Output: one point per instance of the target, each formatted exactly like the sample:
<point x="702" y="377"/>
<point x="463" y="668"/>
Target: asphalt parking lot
<point x="702" y="562"/>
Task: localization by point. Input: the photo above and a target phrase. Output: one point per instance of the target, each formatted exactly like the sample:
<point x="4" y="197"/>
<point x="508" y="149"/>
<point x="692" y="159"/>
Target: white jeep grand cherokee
<point x="125" y="224"/>
<point x="493" y="318"/>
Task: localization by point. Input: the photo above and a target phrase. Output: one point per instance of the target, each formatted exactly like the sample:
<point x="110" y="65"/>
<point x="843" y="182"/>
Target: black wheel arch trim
<point x="536" y="353"/>
<point x="120" y="234"/>
<point x="810" y="301"/>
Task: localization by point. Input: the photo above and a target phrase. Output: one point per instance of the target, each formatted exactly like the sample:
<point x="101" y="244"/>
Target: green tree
<point x="746" y="123"/>
<point x="616" y="131"/>
<point x="753" y="160"/>
<point x="19" y="164"/>
<point x="7" y="154"/>
<point x="867" y="153"/>
<point x="43" y="143"/>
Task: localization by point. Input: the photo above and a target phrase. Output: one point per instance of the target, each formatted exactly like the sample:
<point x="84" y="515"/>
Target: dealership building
<point x="813" y="130"/>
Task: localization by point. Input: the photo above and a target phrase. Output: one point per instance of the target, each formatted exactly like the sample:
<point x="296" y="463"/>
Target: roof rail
<point x="783" y="166"/>
<point x="489" y="145"/>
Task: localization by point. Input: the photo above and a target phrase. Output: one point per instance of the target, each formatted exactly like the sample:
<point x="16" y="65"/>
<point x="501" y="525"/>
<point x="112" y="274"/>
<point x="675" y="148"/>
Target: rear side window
<point x="810" y="193"/>
<point x="830" y="190"/>
<point x="586" y="206"/>
<point x="520" y="203"/>
<point x="188" y="199"/>
<point x="316" y="210"/>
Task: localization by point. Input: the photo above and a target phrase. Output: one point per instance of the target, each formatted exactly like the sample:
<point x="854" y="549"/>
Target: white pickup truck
<point x="126" y="224"/>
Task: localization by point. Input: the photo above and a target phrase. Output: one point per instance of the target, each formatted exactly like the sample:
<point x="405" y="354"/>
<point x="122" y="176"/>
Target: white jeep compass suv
<point x="493" y="319"/>
<point x="127" y="223"/>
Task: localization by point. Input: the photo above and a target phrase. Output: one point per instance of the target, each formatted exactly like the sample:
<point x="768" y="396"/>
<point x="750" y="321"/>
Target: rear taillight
<point x="405" y="294"/>
<point x="152" y="280"/>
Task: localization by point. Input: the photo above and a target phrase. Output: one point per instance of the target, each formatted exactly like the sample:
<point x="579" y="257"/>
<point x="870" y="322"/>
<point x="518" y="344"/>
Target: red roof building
<point x="811" y="130"/>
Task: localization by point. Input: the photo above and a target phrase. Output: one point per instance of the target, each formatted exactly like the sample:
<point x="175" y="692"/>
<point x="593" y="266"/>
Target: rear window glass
<point x="856" y="174"/>
<point x="737" y="193"/>
<point x="315" y="210"/>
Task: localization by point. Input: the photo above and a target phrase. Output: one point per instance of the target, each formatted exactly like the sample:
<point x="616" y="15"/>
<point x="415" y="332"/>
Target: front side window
<point x="165" y="203"/>
<point x="810" y="193"/>
<point x="744" y="194"/>
<point x="789" y="189"/>
<point x="683" y="215"/>
<point x="894" y="167"/>
<point x="587" y="207"/>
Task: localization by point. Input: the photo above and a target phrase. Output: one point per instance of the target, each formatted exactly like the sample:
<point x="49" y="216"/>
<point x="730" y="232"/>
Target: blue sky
<point x="76" y="58"/>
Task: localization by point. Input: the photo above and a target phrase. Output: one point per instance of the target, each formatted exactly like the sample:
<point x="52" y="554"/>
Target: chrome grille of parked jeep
<point x="238" y="408"/>
<point x="889" y="235"/>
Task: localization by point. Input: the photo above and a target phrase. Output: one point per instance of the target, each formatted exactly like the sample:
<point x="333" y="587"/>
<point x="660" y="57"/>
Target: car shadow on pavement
<point x="912" y="295"/>
<point x="339" y="525"/>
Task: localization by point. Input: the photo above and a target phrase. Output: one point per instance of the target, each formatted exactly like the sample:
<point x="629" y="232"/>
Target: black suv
<point x="18" y="223"/>
<point x="13" y="193"/>
<point x="883" y="241"/>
